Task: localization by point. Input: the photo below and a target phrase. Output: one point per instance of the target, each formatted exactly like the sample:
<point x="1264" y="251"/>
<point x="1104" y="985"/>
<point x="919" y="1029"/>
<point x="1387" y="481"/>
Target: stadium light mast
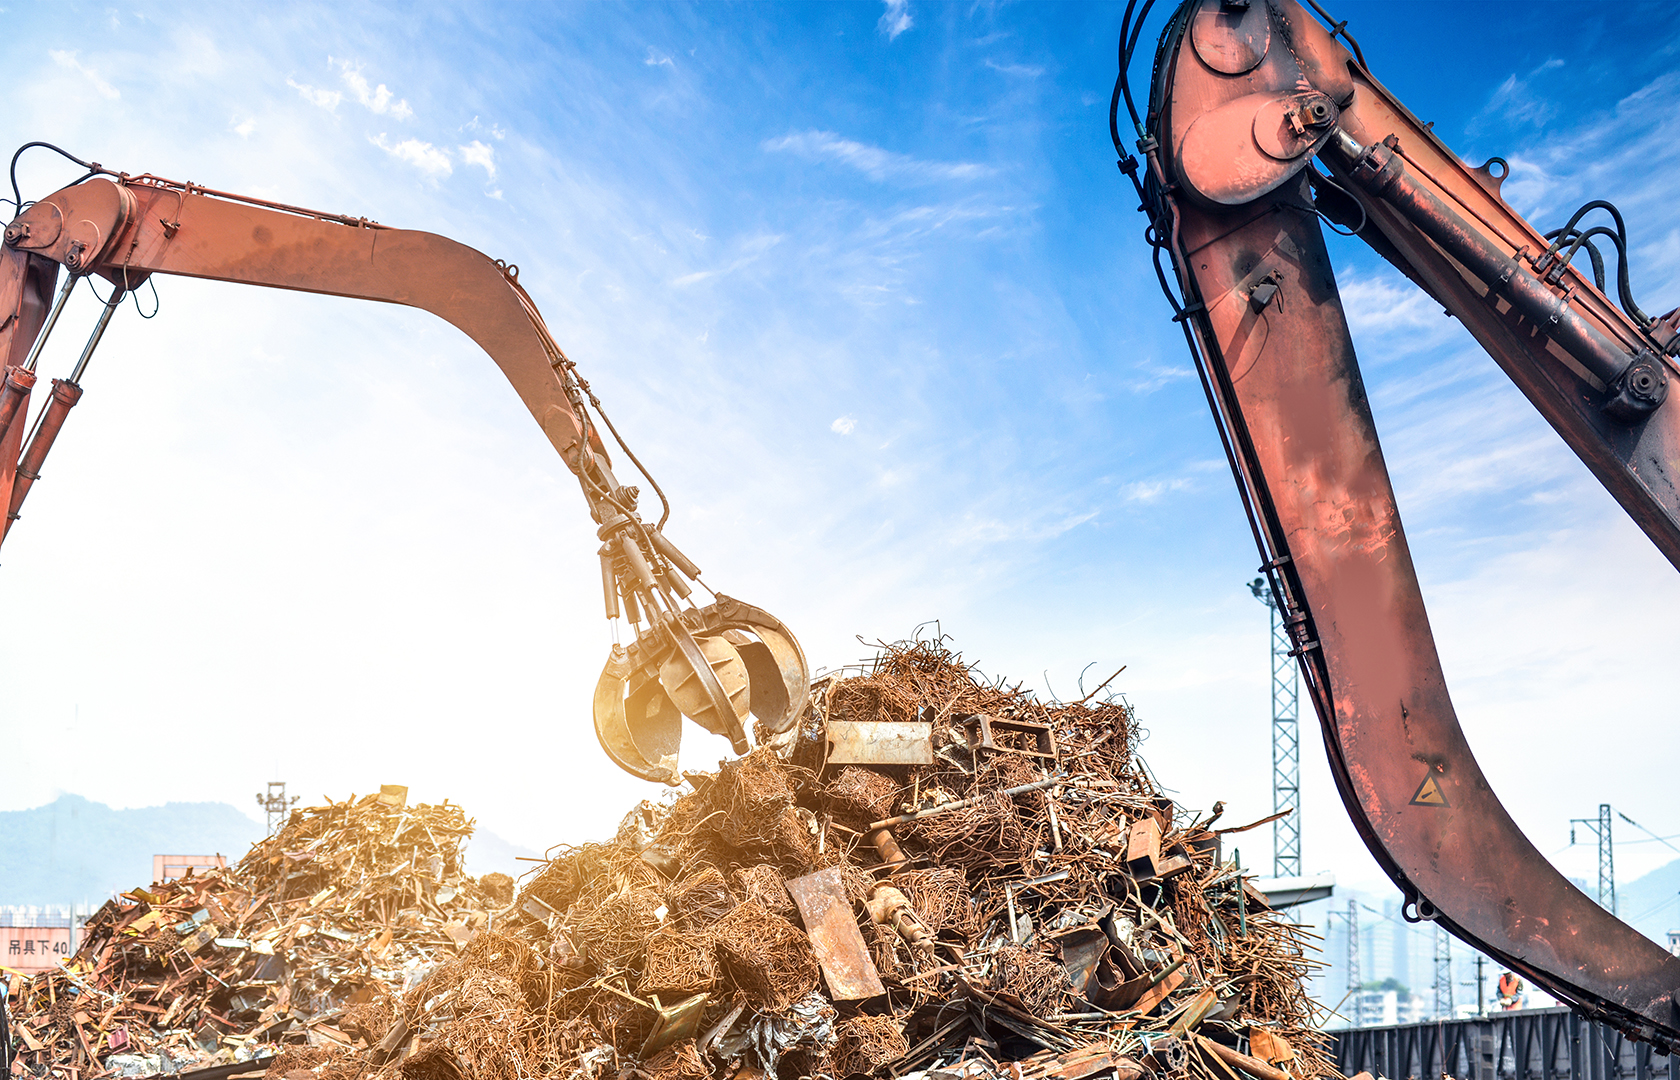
<point x="276" y="804"/>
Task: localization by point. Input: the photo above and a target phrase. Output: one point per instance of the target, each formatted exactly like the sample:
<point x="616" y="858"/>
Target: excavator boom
<point x="1245" y="96"/>
<point x="716" y="664"/>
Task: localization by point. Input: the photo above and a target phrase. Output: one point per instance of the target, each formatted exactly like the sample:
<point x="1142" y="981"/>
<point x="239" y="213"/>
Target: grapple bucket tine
<point x="654" y="732"/>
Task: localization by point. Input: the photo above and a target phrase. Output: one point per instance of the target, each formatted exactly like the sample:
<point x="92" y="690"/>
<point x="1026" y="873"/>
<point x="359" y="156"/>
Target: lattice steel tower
<point x="1443" y="974"/>
<point x="1606" y="856"/>
<point x="1354" y="980"/>
<point x="1286" y="742"/>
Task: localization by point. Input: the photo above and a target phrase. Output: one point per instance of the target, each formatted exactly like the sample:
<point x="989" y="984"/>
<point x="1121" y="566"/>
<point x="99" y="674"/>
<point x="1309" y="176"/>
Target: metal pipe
<point x="1636" y="383"/>
<point x="65" y="394"/>
<point x="52" y="320"/>
<point x="670" y="551"/>
<point x="961" y="803"/>
<point x="13" y="395"/>
<point x="637" y="561"/>
<point x="1249" y="1064"/>
<point x="111" y="306"/>
<point x="609" y="581"/>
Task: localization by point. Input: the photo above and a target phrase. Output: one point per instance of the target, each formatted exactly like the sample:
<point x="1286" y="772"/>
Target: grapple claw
<point x="639" y="731"/>
<point x="714" y="664"/>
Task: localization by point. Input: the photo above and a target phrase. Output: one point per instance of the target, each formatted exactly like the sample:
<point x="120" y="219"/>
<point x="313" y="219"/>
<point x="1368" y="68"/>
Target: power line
<point x="1663" y="839"/>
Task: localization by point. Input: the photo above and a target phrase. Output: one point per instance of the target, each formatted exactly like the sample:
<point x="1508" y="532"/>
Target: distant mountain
<point x="74" y="850"/>
<point x="1651" y="904"/>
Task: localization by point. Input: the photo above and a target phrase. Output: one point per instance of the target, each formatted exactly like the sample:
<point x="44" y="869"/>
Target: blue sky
<point x="862" y="285"/>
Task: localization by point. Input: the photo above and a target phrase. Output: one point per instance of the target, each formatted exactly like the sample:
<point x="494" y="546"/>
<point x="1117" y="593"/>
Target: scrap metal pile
<point x="931" y="875"/>
<point x="312" y="931"/>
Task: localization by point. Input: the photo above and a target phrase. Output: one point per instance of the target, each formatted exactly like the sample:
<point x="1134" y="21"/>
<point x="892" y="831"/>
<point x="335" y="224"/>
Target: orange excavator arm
<point x="715" y="663"/>
<point x="1245" y="97"/>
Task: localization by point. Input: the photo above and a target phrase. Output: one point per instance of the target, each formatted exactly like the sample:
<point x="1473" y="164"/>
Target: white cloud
<point x="896" y="19"/>
<point x="377" y="99"/>
<point x="494" y="130"/>
<point x="1155" y="375"/>
<point x="655" y="58"/>
<point x="422" y="155"/>
<point x="244" y="128"/>
<point x="326" y="99"/>
<point x="480" y="154"/>
<point x="844" y="425"/>
<point x="1028" y="71"/>
<point x="1149" y="491"/>
<point x="67" y="59"/>
<point x="872" y="161"/>
<point x="752" y="249"/>
<point x="1517" y="101"/>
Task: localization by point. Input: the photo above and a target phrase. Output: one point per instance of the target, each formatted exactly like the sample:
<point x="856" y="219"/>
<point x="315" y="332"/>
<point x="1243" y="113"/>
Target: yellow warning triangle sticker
<point x="1429" y="793"/>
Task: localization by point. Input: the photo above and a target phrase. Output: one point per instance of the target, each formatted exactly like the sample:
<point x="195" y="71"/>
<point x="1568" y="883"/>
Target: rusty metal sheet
<point x="835" y="936"/>
<point x="675" y="1023"/>
<point x="879" y="742"/>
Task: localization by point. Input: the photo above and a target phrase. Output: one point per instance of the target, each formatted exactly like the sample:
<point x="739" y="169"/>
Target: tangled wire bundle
<point x="1038" y="981"/>
<point x="769" y="958"/>
<point x="764" y="885"/>
<point x="615" y="934"/>
<point x="861" y="795"/>
<point x="680" y="1061"/>
<point x="982" y="834"/>
<point x="941" y="897"/>
<point x="866" y="1043"/>
<point x="678" y="965"/>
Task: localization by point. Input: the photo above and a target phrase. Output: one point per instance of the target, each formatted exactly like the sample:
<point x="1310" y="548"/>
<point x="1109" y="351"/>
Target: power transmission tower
<point x="275" y="803"/>
<point x="1606" y="857"/>
<point x="1286" y="742"/>
<point x="1354" y="979"/>
<point x="1443" y="974"/>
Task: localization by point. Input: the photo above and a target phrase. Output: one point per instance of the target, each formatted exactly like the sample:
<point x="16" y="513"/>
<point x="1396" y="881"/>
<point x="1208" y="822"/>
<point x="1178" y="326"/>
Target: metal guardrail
<point x="1530" y="1044"/>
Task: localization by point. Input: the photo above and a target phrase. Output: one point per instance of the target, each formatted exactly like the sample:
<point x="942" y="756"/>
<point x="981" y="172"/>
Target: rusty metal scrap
<point x="1033" y="909"/>
<point x="308" y="937"/>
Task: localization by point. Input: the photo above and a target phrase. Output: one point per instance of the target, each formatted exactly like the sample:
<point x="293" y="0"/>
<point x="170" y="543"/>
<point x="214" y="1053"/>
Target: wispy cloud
<point x="473" y="126"/>
<point x="1153" y="375"/>
<point x="1150" y="491"/>
<point x="1516" y="101"/>
<point x="977" y="529"/>
<point x="422" y="155"/>
<point x="751" y="250"/>
<point x="67" y="59"/>
<point x="896" y="19"/>
<point x="325" y="99"/>
<point x="1026" y="71"/>
<point x="844" y="425"/>
<point x="873" y="161"/>
<point x="376" y="99"/>
<point x="655" y="58"/>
